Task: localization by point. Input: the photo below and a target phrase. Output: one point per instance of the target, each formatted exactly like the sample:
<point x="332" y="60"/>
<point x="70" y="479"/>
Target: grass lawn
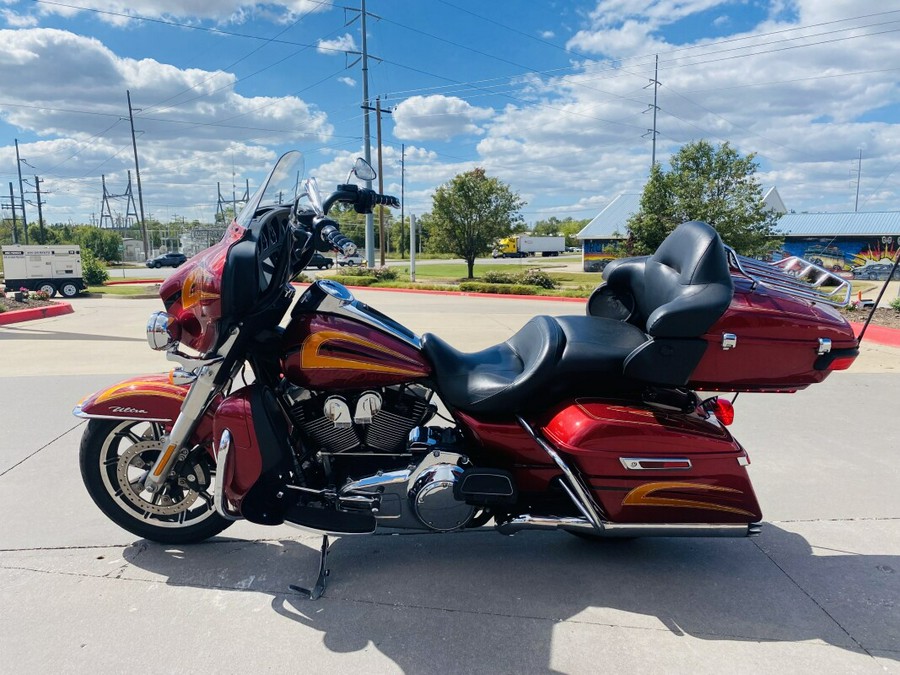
<point x="124" y="289"/>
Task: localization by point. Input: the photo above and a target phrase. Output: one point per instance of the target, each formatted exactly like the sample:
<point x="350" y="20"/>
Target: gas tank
<point x="335" y="342"/>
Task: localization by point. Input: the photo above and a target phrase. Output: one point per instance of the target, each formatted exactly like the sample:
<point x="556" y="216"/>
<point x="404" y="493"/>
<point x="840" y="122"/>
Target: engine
<point x="361" y="422"/>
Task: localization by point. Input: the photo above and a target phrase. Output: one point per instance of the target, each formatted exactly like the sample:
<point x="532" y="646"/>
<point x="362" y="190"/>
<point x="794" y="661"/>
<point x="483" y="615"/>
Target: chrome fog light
<point x="162" y="331"/>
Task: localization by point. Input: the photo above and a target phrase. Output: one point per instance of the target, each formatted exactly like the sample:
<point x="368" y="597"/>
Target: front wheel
<point x="48" y="288"/>
<point x="116" y="456"/>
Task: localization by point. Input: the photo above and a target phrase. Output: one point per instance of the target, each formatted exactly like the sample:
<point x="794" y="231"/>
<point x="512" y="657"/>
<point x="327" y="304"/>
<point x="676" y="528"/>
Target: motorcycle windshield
<point x="281" y="186"/>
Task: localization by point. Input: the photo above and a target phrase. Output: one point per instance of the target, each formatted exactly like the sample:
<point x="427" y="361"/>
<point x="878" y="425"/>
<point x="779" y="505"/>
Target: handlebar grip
<point x="332" y="235"/>
<point x="388" y="200"/>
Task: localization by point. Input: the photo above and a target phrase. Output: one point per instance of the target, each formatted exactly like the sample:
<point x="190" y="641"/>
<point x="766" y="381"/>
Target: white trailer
<point x="43" y="268"/>
<point x="543" y="245"/>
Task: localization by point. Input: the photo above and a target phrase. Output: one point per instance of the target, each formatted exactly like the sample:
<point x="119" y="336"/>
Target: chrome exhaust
<point x="612" y="530"/>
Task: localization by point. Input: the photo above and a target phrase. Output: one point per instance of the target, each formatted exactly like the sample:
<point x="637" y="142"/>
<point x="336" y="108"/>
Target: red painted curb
<point x="45" y="312"/>
<point x="881" y="335"/>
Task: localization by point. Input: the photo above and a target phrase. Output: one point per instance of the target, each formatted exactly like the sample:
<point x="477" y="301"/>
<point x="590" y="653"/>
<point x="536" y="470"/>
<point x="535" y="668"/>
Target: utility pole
<point x="403" y="195"/>
<point x="858" y="176"/>
<point x="12" y="203"/>
<point x="37" y="190"/>
<point x="367" y="135"/>
<point x="412" y="247"/>
<point x="378" y="110"/>
<point x="21" y="193"/>
<point x="653" y="132"/>
<point x="137" y="171"/>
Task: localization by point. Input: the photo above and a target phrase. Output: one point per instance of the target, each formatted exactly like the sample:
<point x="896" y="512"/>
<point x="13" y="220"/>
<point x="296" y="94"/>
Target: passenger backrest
<point x="679" y="291"/>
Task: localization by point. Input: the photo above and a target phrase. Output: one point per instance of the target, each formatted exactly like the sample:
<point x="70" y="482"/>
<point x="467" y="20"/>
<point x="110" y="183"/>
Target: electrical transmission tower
<point x="106" y="217"/>
<point x="234" y="201"/>
<point x="653" y="133"/>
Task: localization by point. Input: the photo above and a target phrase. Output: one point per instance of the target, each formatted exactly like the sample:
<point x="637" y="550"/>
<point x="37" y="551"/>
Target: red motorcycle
<point x="588" y="424"/>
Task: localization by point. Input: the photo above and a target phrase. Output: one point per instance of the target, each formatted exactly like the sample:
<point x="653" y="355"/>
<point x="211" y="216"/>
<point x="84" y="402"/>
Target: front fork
<point x="205" y="385"/>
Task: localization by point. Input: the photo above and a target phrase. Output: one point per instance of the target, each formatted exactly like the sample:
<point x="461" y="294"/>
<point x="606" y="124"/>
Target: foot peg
<point x="318" y="590"/>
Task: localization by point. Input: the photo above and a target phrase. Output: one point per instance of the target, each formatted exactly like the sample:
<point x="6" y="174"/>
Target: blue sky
<point x="551" y="97"/>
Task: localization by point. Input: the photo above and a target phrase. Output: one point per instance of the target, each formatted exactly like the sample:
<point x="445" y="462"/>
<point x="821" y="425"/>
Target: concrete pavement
<point x="818" y="591"/>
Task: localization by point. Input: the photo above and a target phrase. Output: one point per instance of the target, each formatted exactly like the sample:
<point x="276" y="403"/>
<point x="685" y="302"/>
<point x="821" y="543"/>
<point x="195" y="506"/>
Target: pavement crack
<point x="813" y="600"/>
<point x="43" y="447"/>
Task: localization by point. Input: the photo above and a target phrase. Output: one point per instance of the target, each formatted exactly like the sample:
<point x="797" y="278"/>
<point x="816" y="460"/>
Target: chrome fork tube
<point x="198" y="398"/>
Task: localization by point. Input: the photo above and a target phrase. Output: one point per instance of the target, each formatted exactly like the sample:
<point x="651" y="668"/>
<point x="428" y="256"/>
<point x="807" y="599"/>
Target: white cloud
<point x="547" y="34"/>
<point x="118" y="13"/>
<point x="349" y="81"/>
<point x="191" y="139"/>
<point x="345" y="43"/>
<point x="437" y="118"/>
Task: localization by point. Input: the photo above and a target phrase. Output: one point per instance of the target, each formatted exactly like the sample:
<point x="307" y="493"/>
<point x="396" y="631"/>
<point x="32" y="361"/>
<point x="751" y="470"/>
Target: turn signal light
<point x="724" y="411"/>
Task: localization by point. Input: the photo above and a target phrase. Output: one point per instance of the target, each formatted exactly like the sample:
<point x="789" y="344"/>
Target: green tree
<point x="470" y="213"/>
<point x="554" y="226"/>
<point x="713" y="184"/>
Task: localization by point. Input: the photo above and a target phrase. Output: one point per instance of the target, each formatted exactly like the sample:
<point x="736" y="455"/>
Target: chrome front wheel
<point x="116" y="456"/>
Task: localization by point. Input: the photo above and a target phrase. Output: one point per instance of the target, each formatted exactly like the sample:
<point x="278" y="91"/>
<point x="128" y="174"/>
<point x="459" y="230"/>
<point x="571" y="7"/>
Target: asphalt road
<point x="817" y="592"/>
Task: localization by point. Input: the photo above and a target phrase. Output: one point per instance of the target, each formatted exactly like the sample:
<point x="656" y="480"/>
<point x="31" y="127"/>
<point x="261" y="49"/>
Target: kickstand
<point x="318" y="590"/>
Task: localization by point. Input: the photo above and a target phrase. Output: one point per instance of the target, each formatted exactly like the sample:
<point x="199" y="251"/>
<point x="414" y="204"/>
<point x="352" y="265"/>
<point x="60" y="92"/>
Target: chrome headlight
<point x="162" y="331"/>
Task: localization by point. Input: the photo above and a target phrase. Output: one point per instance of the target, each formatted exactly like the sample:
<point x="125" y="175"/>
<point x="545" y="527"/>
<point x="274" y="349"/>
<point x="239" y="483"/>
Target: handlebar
<point x="363" y="199"/>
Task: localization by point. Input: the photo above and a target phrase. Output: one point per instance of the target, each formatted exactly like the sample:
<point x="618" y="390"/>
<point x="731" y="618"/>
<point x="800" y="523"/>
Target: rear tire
<point x="48" y="288"/>
<point x="68" y="290"/>
<point x="114" y="457"/>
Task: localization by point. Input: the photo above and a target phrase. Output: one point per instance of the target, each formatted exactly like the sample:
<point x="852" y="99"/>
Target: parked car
<point x="875" y="272"/>
<point x="321" y="262"/>
<point x="349" y="260"/>
<point x="170" y="259"/>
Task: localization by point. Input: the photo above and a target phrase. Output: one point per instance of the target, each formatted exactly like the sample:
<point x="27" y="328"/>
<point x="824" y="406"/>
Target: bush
<point x="497" y="277"/>
<point x="895" y="304"/>
<point x="354" y="279"/>
<point x="385" y="273"/>
<point x="93" y="272"/>
<point x="503" y="289"/>
<point x="536" y="277"/>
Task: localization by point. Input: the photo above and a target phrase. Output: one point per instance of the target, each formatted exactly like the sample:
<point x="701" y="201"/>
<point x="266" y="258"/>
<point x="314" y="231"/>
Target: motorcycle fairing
<point x="260" y="448"/>
<point x="145" y="397"/>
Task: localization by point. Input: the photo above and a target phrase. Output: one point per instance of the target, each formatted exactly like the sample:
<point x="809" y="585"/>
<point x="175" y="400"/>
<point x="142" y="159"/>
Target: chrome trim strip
<point x="78" y="412"/>
<point x="338" y="300"/>
<point x="581" y="497"/>
<point x="612" y="530"/>
<point x="635" y="463"/>
<point x="219" y="491"/>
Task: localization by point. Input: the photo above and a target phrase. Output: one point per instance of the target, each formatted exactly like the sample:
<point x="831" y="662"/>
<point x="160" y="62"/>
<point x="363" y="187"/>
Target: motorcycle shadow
<point x="476" y="598"/>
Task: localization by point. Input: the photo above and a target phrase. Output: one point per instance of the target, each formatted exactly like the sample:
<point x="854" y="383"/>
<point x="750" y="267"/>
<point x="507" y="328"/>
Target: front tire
<point x="48" y="288"/>
<point x="116" y="455"/>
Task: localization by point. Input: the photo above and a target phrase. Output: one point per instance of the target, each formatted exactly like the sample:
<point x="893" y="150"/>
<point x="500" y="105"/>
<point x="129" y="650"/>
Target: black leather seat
<point x="547" y="355"/>
<point x="644" y="325"/>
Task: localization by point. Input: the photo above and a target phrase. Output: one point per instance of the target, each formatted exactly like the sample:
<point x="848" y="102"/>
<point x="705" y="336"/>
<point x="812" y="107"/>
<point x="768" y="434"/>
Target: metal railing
<point x="796" y="276"/>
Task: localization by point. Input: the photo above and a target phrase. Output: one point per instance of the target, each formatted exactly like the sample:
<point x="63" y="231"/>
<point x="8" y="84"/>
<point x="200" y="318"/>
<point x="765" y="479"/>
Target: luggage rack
<point x="796" y="276"/>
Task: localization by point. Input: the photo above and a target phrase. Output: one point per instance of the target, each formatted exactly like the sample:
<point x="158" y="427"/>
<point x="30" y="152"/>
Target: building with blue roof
<point x="856" y="244"/>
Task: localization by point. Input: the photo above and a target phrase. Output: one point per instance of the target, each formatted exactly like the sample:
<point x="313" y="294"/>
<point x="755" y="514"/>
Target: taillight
<point x="841" y="363"/>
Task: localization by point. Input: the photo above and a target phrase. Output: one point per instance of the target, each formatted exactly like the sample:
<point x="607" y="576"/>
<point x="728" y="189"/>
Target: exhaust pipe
<point x="612" y="530"/>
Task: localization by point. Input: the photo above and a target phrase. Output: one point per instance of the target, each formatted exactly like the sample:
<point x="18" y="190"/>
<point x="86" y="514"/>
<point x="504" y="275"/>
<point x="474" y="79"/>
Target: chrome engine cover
<point x="416" y="497"/>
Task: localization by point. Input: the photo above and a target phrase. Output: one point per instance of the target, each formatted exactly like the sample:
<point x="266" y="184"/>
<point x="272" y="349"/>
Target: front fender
<point x="146" y="397"/>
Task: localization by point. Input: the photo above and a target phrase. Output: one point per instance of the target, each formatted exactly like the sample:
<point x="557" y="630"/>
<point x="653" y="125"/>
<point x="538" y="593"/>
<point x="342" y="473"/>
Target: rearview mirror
<point x="363" y="170"/>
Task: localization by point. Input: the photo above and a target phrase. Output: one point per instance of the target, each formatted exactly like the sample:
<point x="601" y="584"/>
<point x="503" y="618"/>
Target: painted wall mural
<point x="868" y="258"/>
<point x="853" y="257"/>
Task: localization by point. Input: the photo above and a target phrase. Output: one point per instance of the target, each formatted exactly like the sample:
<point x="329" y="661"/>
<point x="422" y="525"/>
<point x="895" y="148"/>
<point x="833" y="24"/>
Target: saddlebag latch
<point x="824" y="346"/>
<point x="729" y="341"/>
